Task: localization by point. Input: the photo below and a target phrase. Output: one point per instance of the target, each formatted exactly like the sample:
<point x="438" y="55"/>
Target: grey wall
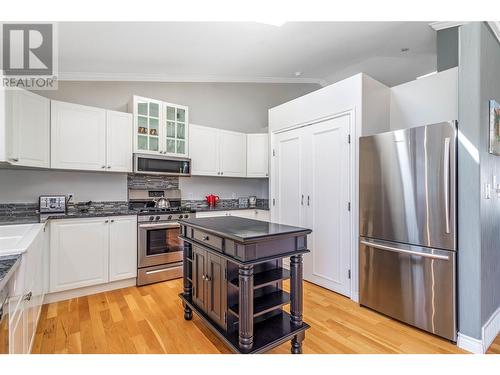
<point x="479" y="218"/>
<point x="447" y="48"/>
<point x="232" y="106"/>
<point x="25" y="186"/>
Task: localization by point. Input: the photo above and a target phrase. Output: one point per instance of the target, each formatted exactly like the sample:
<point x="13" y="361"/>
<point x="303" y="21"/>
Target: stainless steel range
<point x="159" y="247"/>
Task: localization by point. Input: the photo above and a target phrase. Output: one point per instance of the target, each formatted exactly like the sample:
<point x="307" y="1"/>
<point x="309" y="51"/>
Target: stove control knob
<point x="157" y="218"/>
<point x="186" y="216"/>
<point x="180" y="216"/>
<point x="151" y="218"/>
<point x="169" y="217"/>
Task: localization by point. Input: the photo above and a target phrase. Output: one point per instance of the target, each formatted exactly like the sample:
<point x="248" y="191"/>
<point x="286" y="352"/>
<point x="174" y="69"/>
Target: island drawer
<point x="208" y="239"/>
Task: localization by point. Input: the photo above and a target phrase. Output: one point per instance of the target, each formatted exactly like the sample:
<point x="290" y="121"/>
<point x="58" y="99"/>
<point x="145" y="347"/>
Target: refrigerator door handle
<point x="402" y="251"/>
<point x="446" y="183"/>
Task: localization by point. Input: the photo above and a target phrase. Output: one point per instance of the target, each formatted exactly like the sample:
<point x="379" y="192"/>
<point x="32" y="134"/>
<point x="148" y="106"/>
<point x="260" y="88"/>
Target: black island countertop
<point x="241" y="229"/>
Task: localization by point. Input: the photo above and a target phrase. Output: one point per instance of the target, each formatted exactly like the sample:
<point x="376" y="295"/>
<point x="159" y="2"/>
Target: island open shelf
<point x="233" y="278"/>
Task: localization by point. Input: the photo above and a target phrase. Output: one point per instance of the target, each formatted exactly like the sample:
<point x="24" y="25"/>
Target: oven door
<point x="159" y="243"/>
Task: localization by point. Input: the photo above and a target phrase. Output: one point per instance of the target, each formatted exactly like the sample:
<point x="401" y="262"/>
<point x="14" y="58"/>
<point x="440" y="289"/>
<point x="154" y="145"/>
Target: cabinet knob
<point x="221" y="173"/>
<point x="207" y="278"/>
<point x="14" y="160"/>
<point x="203" y="277"/>
<point x="112" y="221"/>
<point x="109" y="166"/>
<point x="106" y="221"/>
<point x="206" y="238"/>
<point x="103" y="166"/>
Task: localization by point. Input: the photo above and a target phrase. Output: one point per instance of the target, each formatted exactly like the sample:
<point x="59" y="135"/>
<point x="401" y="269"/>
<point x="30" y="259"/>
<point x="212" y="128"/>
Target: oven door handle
<point x="159" y="225"/>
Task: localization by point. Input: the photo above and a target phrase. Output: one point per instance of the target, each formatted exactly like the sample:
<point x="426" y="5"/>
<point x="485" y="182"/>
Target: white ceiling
<point x="324" y="52"/>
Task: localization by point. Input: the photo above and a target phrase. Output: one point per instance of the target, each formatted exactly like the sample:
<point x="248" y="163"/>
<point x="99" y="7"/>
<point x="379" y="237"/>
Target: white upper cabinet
<point x="233" y="154"/>
<point x="89" y="138"/>
<point x="78" y="137"/>
<point x="118" y="141"/>
<point x="257" y="155"/>
<point x="160" y="128"/>
<point x="27" y="129"/>
<point x="204" y="150"/>
<point x="216" y="152"/>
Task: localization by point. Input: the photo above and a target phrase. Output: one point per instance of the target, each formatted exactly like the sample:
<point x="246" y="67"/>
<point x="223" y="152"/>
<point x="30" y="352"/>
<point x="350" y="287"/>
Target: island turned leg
<point x="246" y="307"/>
<point x="296" y="300"/>
<point x="188" y="288"/>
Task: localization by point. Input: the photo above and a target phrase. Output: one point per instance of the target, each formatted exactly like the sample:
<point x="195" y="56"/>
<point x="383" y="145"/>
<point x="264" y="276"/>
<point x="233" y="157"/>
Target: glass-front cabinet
<point x="160" y="127"/>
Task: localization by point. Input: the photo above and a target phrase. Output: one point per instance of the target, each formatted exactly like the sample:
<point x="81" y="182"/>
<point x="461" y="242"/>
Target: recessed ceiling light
<point x="298" y="74"/>
<point x="405" y="49"/>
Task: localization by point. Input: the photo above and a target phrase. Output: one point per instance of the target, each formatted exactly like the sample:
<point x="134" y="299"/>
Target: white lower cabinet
<point x="254" y="214"/>
<point x="85" y="252"/>
<point x="27" y="291"/>
<point x="122" y="248"/>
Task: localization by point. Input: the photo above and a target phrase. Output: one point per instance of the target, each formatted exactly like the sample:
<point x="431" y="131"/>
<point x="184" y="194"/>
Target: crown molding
<point x="495" y="27"/>
<point x="441" y="25"/>
<point x="132" y="77"/>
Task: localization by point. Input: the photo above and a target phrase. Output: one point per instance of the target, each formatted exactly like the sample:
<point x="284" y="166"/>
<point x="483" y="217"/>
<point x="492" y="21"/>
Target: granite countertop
<point x="31" y="218"/>
<point x="241" y="229"/>
<point x="8" y="265"/>
<point x="231" y="208"/>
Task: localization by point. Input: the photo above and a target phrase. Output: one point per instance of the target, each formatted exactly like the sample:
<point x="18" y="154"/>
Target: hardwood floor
<point x="495" y="346"/>
<point x="150" y="319"/>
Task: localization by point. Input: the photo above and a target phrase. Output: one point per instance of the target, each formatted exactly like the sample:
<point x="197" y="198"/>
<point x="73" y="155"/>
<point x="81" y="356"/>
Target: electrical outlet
<point x="233" y="196"/>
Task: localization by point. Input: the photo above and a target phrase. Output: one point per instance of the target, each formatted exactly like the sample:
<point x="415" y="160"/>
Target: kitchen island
<point x="233" y="276"/>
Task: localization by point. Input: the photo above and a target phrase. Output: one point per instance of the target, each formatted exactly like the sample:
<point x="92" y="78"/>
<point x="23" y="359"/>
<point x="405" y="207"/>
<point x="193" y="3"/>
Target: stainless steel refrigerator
<point x="407" y="224"/>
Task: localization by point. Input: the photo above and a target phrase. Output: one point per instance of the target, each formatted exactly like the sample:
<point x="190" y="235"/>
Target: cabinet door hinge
<point x="349" y="274"/>
<point x="225" y="317"/>
<point x="348" y="138"/>
<point x="274" y="152"/>
<point x="348" y="206"/>
<point x="274" y="202"/>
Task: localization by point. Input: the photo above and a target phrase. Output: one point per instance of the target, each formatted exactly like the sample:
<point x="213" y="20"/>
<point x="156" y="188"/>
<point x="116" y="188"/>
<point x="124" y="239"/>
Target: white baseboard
<point x="491" y="329"/>
<point x="489" y="332"/>
<point x="470" y="344"/>
<point x="86" y="291"/>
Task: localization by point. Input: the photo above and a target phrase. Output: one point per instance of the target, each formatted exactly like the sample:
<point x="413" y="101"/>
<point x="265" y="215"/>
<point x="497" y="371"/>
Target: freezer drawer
<point x="409" y="283"/>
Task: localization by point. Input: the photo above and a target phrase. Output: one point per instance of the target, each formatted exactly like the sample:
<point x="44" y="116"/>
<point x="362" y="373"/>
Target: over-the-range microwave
<point x="162" y="165"/>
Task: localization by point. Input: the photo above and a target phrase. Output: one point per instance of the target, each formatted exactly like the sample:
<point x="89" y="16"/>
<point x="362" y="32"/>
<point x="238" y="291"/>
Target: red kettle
<point x="212" y="200"/>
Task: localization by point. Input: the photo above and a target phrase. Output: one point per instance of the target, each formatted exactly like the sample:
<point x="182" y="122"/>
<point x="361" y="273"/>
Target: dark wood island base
<point x="233" y="278"/>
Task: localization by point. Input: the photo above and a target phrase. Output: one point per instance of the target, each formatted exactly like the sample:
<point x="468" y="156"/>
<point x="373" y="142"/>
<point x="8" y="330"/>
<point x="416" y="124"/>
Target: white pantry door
<point x="288" y="177"/>
<point x="326" y="154"/>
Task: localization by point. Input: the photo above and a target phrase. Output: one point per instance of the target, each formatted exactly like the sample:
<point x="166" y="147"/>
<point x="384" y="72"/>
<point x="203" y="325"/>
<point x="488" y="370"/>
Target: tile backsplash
<point x="152" y="182"/>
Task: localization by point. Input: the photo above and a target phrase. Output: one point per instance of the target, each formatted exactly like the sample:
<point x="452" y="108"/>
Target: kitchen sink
<point x="15" y="239"/>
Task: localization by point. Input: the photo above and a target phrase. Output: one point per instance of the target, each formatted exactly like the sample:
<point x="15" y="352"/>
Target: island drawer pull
<point x="206" y="238"/>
